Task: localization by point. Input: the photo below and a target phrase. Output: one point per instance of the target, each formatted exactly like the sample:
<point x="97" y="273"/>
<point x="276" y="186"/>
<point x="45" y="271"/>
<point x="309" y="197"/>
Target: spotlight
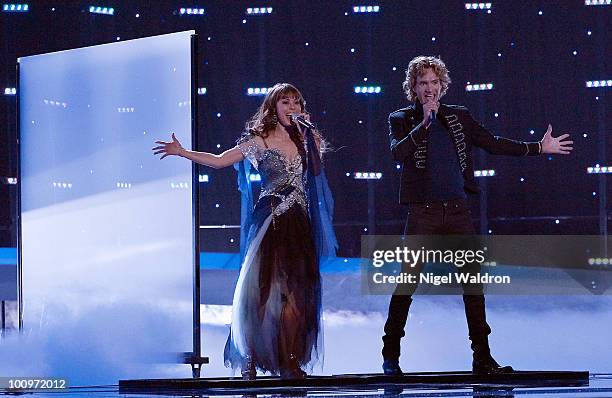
<point x="367" y="175"/>
<point x="478" y="6"/>
<point x="191" y="11"/>
<point x="599" y="83"/>
<point x="259" y="10"/>
<point x="102" y="10"/>
<point x="479" y="87"/>
<point x="367" y="89"/>
<point x="484" y="173"/>
<point x="10" y="91"/>
<point x="599" y="170"/>
<point x="15" y="8"/>
<point x="365" y="9"/>
<point x="258" y="90"/>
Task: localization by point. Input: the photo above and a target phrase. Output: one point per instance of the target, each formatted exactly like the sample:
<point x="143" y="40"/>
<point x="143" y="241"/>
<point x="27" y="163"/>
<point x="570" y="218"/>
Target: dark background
<point x="526" y="49"/>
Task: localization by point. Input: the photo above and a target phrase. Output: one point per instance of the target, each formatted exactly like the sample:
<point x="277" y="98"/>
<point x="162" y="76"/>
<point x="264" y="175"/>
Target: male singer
<point x="434" y="143"/>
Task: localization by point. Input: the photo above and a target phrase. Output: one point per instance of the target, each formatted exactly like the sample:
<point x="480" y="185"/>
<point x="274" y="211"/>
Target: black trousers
<point x="450" y="217"/>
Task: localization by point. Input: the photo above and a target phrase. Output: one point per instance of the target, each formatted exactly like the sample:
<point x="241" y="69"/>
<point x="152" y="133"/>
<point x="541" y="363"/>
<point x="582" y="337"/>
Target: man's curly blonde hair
<point x="417" y="67"/>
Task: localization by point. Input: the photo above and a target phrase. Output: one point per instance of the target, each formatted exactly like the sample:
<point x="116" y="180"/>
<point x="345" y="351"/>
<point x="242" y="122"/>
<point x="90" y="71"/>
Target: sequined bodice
<point x="277" y="173"/>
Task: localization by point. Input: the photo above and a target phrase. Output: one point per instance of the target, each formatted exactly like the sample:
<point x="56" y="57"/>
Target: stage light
<point x="484" y="173"/>
<point x="599" y="170"/>
<point x="124" y="185"/>
<point x="478" y="6"/>
<point x="597" y="2"/>
<point x="365" y="9"/>
<point x="259" y="10"/>
<point x="179" y="185"/>
<point x="599" y="83"/>
<point x="255" y="177"/>
<point x="55" y="103"/>
<point x="479" y="87"/>
<point x="62" y="185"/>
<point x="201" y="90"/>
<point x="10" y="91"/>
<point x="367" y="175"/>
<point x="15" y="8"/>
<point x="191" y="11"/>
<point x="599" y="261"/>
<point x="102" y="10"/>
<point x="258" y="90"/>
<point x="367" y="89"/>
<point x="203" y="178"/>
<point x="10" y="180"/>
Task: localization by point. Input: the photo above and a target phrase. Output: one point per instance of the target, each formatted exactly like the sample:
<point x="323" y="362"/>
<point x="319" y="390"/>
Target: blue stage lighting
<point x="62" y="185"/>
<point x="259" y="10"/>
<point x="597" y="2"/>
<point x="478" y="6"/>
<point x="484" y="173"/>
<point x="255" y="177"/>
<point x="191" y="11"/>
<point x="599" y="83"/>
<point x="599" y="261"/>
<point x="124" y="185"/>
<point x="10" y="91"/>
<point x="367" y="89"/>
<point x="102" y="10"/>
<point x="258" y="90"/>
<point x="599" y="170"/>
<point x="179" y="185"/>
<point x="367" y="175"/>
<point x="479" y="87"/>
<point x="365" y="9"/>
<point x="15" y="8"/>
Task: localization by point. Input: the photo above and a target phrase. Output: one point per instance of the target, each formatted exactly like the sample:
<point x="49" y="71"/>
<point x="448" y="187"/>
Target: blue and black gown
<point x="276" y="311"/>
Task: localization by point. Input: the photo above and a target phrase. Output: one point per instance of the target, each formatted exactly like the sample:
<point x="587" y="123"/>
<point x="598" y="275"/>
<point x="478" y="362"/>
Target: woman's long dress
<point x="277" y="302"/>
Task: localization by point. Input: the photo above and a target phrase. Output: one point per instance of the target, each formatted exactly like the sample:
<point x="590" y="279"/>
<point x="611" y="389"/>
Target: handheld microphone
<point x="432" y="116"/>
<point x="301" y="120"/>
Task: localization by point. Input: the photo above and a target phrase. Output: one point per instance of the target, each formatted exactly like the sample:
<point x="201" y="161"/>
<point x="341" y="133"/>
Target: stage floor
<point x="447" y="384"/>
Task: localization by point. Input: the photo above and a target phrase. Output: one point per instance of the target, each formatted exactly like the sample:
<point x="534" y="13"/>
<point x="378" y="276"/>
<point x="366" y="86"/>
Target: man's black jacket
<point x="408" y="139"/>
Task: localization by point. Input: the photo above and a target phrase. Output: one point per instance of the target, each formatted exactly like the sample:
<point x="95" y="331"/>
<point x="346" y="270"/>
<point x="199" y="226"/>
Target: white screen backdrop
<point x="107" y="228"/>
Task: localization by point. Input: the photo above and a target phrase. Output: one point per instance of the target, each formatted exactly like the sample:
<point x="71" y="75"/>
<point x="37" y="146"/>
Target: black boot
<point x="394" y="331"/>
<point x="391" y="368"/>
<point x="479" y="330"/>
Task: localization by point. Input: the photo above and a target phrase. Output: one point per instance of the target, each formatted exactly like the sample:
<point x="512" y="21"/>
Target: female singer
<point x="276" y="315"/>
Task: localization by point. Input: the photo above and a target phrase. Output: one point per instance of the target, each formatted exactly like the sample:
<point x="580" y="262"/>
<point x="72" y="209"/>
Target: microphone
<point x="432" y="116"/>
<point x="301" y="120"/>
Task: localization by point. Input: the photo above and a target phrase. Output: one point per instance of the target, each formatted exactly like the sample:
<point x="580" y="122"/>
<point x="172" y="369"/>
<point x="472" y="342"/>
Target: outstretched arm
<point x="558" y="144"/>
<point x="174" y="148"/>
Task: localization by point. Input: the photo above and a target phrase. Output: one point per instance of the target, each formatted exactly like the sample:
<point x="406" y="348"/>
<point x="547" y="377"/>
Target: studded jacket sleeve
<point x="403" y="141"/>
<point x="495" y="145"/>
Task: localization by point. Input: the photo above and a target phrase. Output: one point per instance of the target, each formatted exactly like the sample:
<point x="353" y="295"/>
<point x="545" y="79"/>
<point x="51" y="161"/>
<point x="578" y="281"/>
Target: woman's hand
<point x="173" y="148"/>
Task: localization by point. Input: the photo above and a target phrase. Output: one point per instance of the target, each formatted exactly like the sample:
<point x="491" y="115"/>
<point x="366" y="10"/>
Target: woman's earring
<point x="274" y="119"/>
